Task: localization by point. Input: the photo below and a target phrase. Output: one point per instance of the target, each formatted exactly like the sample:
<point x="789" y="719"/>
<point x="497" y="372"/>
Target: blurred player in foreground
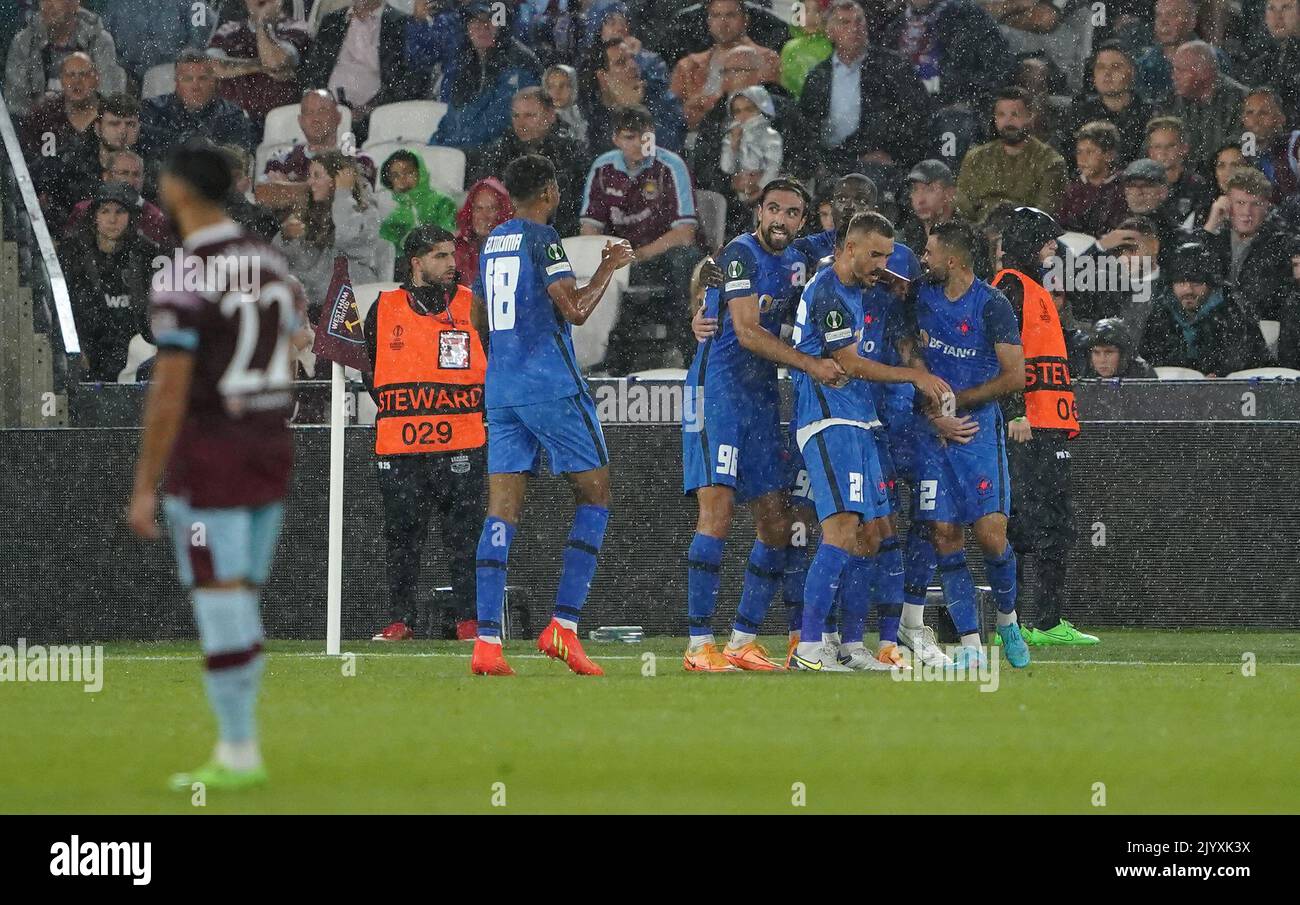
<point x="969" y="336"/>
<point x="834" y="429"/>
<point x="215" y="421"/>
<point x="536" y="398"/>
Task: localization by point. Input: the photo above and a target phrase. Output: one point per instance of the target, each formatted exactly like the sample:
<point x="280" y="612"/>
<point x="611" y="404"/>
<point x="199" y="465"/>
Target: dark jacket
<point x="1217" y="339"/>
<point x="976" y="57"/>
<point x="1265" y="275"/>
<point x="110" y="296"/>
<point x="571" y="165"/>
<point x="1131" y="122"/>
<point x="479" y="91"/>
<point x="1278" y="68"/>
<point x="165" y="123"/>
<point x="1288" y="338"/>
<point x="396" y="81"/>
<point x="895" y="111"/>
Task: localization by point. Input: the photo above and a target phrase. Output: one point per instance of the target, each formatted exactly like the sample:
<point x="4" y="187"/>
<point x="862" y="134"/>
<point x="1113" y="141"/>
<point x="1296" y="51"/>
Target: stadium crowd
<point x="1162" y="133"/>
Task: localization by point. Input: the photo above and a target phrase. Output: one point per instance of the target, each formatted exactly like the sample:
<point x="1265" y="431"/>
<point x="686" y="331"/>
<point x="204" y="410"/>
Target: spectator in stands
<point x="1113" y="99"/>
<point x="285" y="178"/>
<point x="864" y="103"/>
<point x="617" y="83"/>
<point x="932" y="196"/>
<point x="1202" y="326"/>
<point x="1251" y="246"/>
<point x="61" y="123"/>
<point x="611" y="21"/>
<point x="956" y="50"/>
<point x="1166" y="144"/>
<point x="152" y="33"/>
<point x="1208" y="103"/>
<point x="418" y="204"/>
<point x="193" y="110"/>
<point x="1278" y="67"/>
<point x="240" y="205"/>
<point x="1137" y="239"/>
<point x="1267" y="137"/>
<point x="435" y="34"/>
<point x="490" y="69"/>
<point x="648" y="200"/>
<point x="1094" y="203"/>
<point x="807" y="47"/>
<point x="1014" y="167"/>
<point x="697" y="79"/>
<point x="76" y="174"/>
<point x="1041" y="78"/>
<point x="126" y="168"/>
<point x="257" y="59"/>
<point x="487" y="206"/>
<point x="1146" y="194"/>
<point x="1288" y="338"/>
<point x="108" y="266"/>
<point x="561" y="85"/>
<point x="535" y="129"/>
<point x="1111" y="355"/>
<point x="34" y="67"/>
<point x="751" y="153"/>
<point x="359" y="55"/>
<point x="340" y="219"/>
<point x="1175" y="25"/>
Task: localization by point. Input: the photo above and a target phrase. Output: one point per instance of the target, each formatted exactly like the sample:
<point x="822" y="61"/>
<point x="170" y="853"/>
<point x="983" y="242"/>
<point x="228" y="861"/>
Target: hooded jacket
<point x="479" y="91"/>
<point x="760" y="144"/>
<point x="421" y="205"/>
<point x="25" y="82"/>
<point x="1218" y="338"/>
<point x="467" y="243"/>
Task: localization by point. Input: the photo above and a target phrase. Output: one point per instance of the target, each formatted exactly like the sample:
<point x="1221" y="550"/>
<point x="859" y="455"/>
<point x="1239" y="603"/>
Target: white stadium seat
<point x="158" y="80"/>
<point x="405" y="121"/>
<point x="1077" y="242"/>
<point x="1169" y="372"/>
<point x="446" y="166"/>
<point x="367" y="294"/>
<point x="282" y="125"/>
<point x="711" y="208"/>
<point x="1266" y="374"/>
<point x="591" y="340"/>
<point x="660" y="374"/>
<point x="137" y="353"/>
<point x="1270" y="329"/>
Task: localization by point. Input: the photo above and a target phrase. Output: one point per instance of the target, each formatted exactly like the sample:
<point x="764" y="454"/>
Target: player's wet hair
<point x="957" y="236"/>
<point x="422" y="240"/>
<point x="787" y="184"/>
<point x="868" y="223"/>
<point x="203" y="167"/>
<point x="526" y="177"/>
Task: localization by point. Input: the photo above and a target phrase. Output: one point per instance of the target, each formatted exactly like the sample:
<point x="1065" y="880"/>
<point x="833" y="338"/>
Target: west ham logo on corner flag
<point x="339" y="336"/>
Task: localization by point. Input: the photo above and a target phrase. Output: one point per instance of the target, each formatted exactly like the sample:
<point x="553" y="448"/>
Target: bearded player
<point x="215" y="423"/>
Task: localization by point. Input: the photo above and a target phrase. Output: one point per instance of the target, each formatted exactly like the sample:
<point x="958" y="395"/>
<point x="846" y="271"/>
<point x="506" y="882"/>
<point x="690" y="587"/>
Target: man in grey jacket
<point x="60" y="27"/>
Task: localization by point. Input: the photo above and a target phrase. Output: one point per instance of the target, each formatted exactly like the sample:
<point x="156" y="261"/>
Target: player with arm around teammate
<point x="536" y="398"/>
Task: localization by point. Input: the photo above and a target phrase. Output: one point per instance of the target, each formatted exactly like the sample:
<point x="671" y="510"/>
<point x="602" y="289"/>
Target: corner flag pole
<point x="334" y="598"/>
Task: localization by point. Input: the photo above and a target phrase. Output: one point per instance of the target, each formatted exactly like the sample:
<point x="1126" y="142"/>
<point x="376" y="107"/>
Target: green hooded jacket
<point x="420" y="206"/>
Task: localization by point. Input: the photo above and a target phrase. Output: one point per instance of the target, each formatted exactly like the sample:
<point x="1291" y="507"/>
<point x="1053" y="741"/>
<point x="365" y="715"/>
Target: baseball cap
<point x="116" y="192"/>
<point x="928" y="171"/>
<point x="1145" y="170"/>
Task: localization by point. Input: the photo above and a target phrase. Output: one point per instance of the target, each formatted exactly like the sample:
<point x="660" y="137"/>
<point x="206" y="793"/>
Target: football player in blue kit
<point x="833" y="428"/>
<point x="536" y="398"/>
<point x="733" y="449"/>
<point x="969" y="335"/>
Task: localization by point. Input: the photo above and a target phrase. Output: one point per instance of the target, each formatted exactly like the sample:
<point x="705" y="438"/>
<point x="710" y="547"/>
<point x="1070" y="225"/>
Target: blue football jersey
<point x="829" y="318"/>
<point x="882" y="327"/>
<point x="958" y="337"/>
<point x="901" y="260"/>
<point x="721" y="362"/>
<point x="530" y="345"/>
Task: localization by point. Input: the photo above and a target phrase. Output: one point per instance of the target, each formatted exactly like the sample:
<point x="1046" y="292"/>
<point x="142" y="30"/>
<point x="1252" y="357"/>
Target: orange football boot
<point x="706" y="658"/>
<point x="751" y="656"/>
<point x="562" y="644"/>
<point x="793" y="646"/>
<point x="489" y="660"/>
<point x="890" y="654"/>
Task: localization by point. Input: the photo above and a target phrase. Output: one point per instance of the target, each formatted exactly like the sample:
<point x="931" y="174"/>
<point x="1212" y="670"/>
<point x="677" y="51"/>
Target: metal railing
<point x="38" y="263"/>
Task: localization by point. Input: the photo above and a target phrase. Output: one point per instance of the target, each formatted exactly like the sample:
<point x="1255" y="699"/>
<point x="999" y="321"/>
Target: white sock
<point x="698" y="641"/>
<point x="491" y="639"/>
<point x="831" y="638"/>
<point x="1006" y="618"/>
<point x="913" y="615"/>
<point x="239" y="755"/>
<point x="850" y="646"/>
<point x="971" y="640"/>
<point x="740" y="639"/>
<point x="809" y="650"/>
<point x="567" y="623"/>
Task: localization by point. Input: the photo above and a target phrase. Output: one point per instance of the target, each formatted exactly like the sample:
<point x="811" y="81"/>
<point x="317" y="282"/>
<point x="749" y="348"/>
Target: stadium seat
<point x="1169" y="372"/>
<point x="137" y="353"/>
<point x="446" y="166"/>
<point x="712" y="210"/>
<point x="1265" y="374"/>
<point x="158" y="80"/>
<point x="405" y="121"/>
<point x="385" y="259"/>
<point x="660" y="374"/>
<point x="367" y="293"/>
<point x="1270" y="329"/>
<point x="1077" y="242"/>
<point x="591" y="340"/>
<point x="322" y="8"/>
<point x="282" y="125"/>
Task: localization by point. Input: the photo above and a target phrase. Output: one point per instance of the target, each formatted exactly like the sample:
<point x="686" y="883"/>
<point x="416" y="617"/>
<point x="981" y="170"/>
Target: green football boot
<point x="219" y="777"/>
<point x="1062" y="633"/>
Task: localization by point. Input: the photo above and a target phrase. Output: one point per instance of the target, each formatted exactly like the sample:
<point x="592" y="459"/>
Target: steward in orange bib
<point x="1042" y="505"/>
<point x="427" y="381"/>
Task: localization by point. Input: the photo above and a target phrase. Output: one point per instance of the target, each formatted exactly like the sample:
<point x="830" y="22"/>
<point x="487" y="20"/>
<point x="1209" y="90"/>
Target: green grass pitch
<point x="1166" y="720"/>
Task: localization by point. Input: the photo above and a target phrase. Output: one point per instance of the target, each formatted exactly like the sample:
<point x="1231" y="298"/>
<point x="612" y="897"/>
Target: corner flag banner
<point x="338" y="332"/>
